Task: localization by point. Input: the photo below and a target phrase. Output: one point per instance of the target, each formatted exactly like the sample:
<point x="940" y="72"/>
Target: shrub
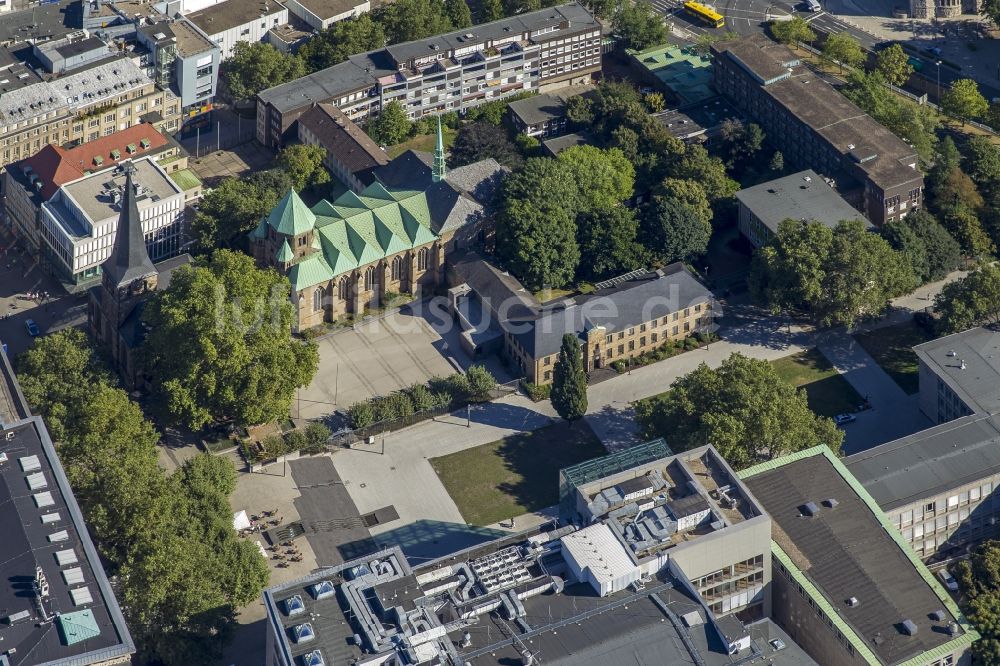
<point x="619" y="366"/>
<point x="456" y="385"/>
<point x="421" y="397"/>
<point x="442" y="399"/>
<point x="537" y="392"/>
<point x="690" y="343"/>
<point x="317" y="434"/>
<point x="295" y="441"/>
<point x="481" y="383"/>
<point x="399" y="405"/>
<point x="362" y="414"/>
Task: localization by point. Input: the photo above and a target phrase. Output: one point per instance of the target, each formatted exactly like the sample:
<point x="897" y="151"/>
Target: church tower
<point x="128" y="275"/>
<point x="439" y="170"/>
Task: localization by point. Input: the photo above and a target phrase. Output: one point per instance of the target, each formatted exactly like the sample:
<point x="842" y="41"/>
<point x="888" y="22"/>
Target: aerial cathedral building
<point x="128" y="278"/>
<point x="395" y="236"/>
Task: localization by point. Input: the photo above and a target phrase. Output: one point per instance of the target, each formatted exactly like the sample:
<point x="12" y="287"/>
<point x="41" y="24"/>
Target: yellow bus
<point x="705" y="14"/>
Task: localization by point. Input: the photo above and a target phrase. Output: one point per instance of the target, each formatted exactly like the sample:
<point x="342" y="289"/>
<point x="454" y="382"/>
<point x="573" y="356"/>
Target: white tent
<point x="241" y="521"/>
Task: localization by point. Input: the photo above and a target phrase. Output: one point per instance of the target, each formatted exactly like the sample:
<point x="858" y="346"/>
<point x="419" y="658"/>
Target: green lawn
<point x="829" y="394"/>
<point x="422" y="142"/>
<point x="516" y="475"/>
<point x="891" y="349"/>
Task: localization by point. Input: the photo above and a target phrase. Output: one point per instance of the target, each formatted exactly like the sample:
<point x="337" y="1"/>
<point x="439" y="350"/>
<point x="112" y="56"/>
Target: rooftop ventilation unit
<point x="938" y="615"/>
<point x="853" y="602"/>
<point x="953" y="628"/>
<point x="908" y="627"/>
<point x="809" y="509"/>
<point x="303" y="633"/>
<point x="830" y="502"/>
<point x="322" y="590"/>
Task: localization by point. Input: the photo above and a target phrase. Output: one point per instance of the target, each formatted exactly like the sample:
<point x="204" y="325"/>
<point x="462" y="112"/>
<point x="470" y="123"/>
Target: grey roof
<point x="68" y="49"/>
<point x="560" y="143"/>
<point x="538" y="109"/>
<point x="191" y="42"/>
<point x="42" y="22"/>
<point x="129" y="259"/>
<point x="223" y="16"/>
<point x="347" y="142"/>
<point x="13" y="404"/>
<point x="498" y="291"/>
<point x="29" y="543"/>
<point x="800" y="196"/>
<point x="930" y="462"/>
<point x="978" y="384"/>
<point x="362" y="71"/>
<point x="845" y="552"/>
<point x="327" y="9"/>
<point x="654" y="295"/>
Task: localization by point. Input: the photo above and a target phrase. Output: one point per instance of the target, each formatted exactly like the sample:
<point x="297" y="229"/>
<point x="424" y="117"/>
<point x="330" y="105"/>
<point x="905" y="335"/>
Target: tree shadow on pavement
<point x="616" y="427"/>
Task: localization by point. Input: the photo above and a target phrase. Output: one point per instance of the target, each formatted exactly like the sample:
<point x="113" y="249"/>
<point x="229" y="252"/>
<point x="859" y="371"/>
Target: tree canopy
<point x="792" y="31"/>
<point x="304" y="165"/>
<point x="928" y="247"/>
<point x="639" y="24"/>
<point x="607" y="239"/>
<point x="914" y="123"/>
<point x="569" y="381"/>
<point x="219" y="347"/>
<point x="894" y="65"/>
<point x="838" y="276"/>
<point x="256" y="66"/>
<point x="391" y="125"/>
<point x="481" y="140"/>
<point x="407" y="20"/>
<point x="743" y="408"/>
<point x="342" y="40"/>
<point x="972" y="301"/>
<point x="964" y="101"/>
<point x="979" y="577"/>
<point x="236" y="206"/>
<point x="673" y="230"/>
<point x="845" y="49"/>
<point x="604" y="178"/>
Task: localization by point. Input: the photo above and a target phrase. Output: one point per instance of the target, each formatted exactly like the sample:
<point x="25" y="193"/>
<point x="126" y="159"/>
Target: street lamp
<point x="938" y="63"/>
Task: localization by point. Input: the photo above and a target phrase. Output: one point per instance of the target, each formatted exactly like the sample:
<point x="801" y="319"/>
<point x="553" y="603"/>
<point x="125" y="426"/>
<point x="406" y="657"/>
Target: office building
<point x="58" y="606"/>
<point x="623" y="318"/>
<point x="80" y="221"/>
<point x="845" y="585"/>
<point x="938" y="485"/>
<point x="577" y="594"/>
<point x="803" y="197"/>
<point x="816" y="127"/>
<point x="449" y="72"/>
<point x="227" y="23"/>
<point x="350" y="154"/>
<point x="321" y="14"/>
<point x="59" y="56"/>
<point x="33" y="181"/>
<point x="180" y="56"/>
<point x="342" y="257"/>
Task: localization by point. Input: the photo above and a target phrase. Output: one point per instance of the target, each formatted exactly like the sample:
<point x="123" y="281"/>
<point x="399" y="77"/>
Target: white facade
<point x="79" y="243"/>
<point x="310" y="12"/>
<point x="253" y="30"/>
<point x="596" y="556"/>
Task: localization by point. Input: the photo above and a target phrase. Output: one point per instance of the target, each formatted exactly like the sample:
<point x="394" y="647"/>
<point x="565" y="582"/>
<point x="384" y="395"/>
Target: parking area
<point x="384" y="355"/>
<point x="237" y="161"/>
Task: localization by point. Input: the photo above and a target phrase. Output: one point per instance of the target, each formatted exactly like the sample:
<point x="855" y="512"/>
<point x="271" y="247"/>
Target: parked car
<point x="32" y="328"/>
<point x="844" y="419"/>
<point x="948" y="580"/>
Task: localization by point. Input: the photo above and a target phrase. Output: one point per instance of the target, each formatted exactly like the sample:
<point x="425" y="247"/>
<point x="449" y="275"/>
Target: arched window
<point x="344" y="288"/>
<point x="397" y="267"/>
<point x="423" y="257"/>
<point x="369" y="278"/>
<point x="317" y="299"/>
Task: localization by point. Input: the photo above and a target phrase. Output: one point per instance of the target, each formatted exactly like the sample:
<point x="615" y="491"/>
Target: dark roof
<point x="688" y="505"/>
<point x="763" y="59"/>
<point x="29" y="542"/>
<point x="343" y="139"/>
<point x="129" y="259"/>
<point x="42" y="22"/>
<point x="538" y="109"/>
<point x="81" y="46"/>
<point x="499" y="291"/>
<point x="232" y="13"/>
<point x="643" y="299"/>
<point x="632" y="485"/>
<point x="930" y="462"/>
<point x="560" y="143"/>
<point x="978" y="383"/>
<point x="800" y="196"/>
<point x="847" y="551"/>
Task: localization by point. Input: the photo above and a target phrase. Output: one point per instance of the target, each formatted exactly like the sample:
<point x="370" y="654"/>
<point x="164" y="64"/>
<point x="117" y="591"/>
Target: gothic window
<point x="423" y="258"/>
<point x="317" y="300"/>
<point x="369" y="278"/>
<point x="344" y="288"/>
<point x="397" y="267"/>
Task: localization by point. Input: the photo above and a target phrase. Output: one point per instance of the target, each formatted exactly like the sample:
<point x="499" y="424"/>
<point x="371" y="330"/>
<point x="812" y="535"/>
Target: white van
<point x="813" y="6"/>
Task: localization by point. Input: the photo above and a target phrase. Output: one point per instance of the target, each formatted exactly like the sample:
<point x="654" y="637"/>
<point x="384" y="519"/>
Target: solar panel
<point x="36" y="481"/>
<point x="50" y="518"/>
<point x="30" y="463"/>
<point x="73" y="576"/>
<point x="61" y="535"/>
<point x="80" y="596"/>
<point x="43" y="499"/>
<point x="64" y="557"/>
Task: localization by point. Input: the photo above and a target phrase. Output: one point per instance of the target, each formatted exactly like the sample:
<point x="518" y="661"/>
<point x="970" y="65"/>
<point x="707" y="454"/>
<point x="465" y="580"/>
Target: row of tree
<point x="167" y="539"/>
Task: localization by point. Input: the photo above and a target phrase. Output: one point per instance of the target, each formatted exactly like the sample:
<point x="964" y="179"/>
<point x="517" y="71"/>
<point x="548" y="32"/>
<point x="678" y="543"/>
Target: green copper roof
<point x="291" y="216"/>
<point x="261" y="230"/>
<point x="358" y="229"/>
<point x="285" y="254"/>
<point x="77" y="627"/>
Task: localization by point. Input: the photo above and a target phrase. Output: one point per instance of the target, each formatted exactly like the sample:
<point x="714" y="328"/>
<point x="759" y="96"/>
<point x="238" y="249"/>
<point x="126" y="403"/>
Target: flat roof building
<point x="233" y="21"/>
<point x="321" y="14"/>
<point x="58" y="606"/>
<point x="449" y="72"/>
<point x="847" y="587"/>
<point x="817" y="127"/>
<point x="804" y="196"/>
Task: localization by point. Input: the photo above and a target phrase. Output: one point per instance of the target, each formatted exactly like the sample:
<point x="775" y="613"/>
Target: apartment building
<point x="845" y="585"/>
<point x="78" y="222"/>
<point x="804" y="196"/>
<point x="233" y="21"/>
<point x="938" y="485"/>
<point x="82" y="106"/>
<point x="637" y="313"/>
<point x="449" y="72"/>
<point x="816" y="127"/>
<point x="540" y="116"/>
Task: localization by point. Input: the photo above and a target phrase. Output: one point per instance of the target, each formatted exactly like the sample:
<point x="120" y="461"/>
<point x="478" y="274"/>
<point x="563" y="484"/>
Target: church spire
<point x="437" y="175"/>
<point x="129" y="259"/>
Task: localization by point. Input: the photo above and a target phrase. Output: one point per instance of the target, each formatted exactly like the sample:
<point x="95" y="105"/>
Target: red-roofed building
<point x="34" y="180"/>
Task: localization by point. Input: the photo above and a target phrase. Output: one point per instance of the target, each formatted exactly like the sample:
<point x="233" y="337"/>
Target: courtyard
<point x="826" y="389"/>
<point x="892" y="349"/>
<point x="515" y="475"/>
